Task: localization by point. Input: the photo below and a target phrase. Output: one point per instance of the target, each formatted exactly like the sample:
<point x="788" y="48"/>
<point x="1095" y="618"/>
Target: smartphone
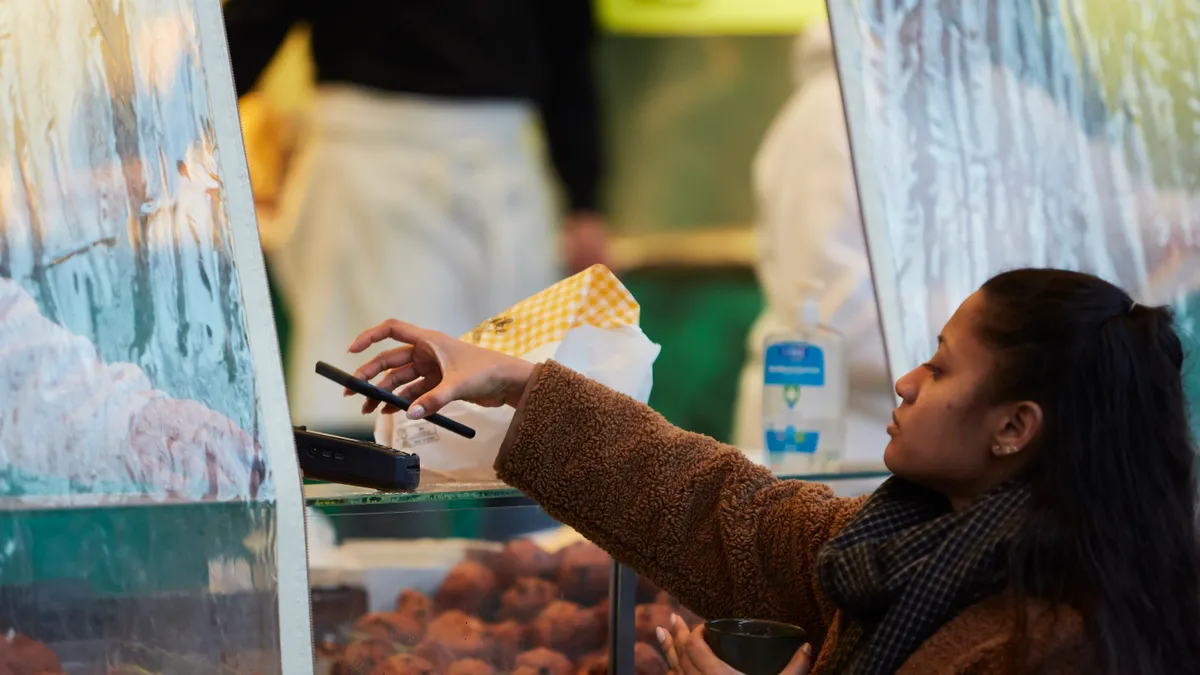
<point x="374" y="393"/>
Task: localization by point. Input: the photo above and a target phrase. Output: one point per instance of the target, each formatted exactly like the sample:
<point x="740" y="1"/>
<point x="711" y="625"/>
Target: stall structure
<point x="151" y="516"/>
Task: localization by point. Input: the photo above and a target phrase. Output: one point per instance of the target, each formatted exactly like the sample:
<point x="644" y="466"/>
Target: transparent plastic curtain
<point x="138" y="520"/>
<point x="114" y="225"/>
<point x="993" y="134"/>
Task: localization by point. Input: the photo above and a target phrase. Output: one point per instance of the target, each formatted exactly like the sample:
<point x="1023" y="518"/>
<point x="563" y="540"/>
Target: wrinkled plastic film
<point x="137" y="505"/>
<point x="999" y="134"/>
<point x="122" y="328"/>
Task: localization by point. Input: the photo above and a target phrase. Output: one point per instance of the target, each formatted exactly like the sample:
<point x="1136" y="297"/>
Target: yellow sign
<point x="708" y="17"/>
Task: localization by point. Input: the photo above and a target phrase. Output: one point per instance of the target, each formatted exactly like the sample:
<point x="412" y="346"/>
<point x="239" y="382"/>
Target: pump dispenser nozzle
<point x="809" y="309"/>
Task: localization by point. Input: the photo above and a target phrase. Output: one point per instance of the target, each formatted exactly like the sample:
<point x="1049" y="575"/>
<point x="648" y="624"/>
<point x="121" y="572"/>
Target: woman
<point x="1043" y="442"/>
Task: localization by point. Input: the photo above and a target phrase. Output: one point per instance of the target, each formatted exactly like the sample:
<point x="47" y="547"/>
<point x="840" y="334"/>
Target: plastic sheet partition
<point x="994" y="134"/>
<point x="150" y="508"/>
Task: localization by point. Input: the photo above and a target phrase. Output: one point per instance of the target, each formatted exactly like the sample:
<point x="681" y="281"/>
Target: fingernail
<point x="807" y="649"/>
<point x="416" y="412"/>
<point x="674" y="620"/>
<point x="662" y="634"/>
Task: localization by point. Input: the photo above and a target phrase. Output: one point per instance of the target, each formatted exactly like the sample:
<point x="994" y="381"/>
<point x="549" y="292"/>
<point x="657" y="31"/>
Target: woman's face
<point x="946" y="435"/>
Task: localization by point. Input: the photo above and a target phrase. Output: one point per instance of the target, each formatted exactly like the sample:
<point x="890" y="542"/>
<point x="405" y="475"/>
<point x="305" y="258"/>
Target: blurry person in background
<point x="72" y="424"/>
<point x="427" y="197"/>
<point x="809" y="228"/>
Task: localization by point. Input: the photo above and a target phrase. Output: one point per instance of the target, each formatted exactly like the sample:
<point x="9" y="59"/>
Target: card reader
<point x="344" y="460"/>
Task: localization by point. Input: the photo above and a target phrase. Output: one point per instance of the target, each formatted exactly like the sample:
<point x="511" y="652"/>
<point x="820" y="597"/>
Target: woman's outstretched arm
<point x="696" y="517"/>
<point x="719" y="533"/>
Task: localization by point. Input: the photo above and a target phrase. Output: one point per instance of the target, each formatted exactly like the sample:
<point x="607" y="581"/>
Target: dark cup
<point x="754" y="647"/>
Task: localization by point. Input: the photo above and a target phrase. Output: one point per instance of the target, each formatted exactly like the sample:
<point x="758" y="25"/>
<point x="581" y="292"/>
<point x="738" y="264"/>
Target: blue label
<point x="797" y="364"/>
<point x="790" y="440"/>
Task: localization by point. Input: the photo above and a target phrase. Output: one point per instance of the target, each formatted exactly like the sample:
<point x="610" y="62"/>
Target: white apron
<point x="437" y="213"/>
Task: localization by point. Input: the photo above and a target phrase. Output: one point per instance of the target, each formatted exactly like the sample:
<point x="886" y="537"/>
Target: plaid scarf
<point x="906" y="564"/>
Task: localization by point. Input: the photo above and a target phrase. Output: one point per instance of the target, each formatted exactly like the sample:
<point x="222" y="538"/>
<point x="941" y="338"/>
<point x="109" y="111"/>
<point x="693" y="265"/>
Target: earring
<point x="1010" y="449"/>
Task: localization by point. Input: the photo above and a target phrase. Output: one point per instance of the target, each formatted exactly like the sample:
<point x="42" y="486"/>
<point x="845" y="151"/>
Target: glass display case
<point x="151" y="518"/>
<point x="444" y="580"/>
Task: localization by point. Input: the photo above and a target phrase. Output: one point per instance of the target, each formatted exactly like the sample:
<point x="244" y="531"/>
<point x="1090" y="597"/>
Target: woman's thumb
<point x="430" y="402"/>
<point x="801" y="663"/>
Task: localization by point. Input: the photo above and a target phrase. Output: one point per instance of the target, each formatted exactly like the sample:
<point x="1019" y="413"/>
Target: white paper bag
<point x="588" y="323"/>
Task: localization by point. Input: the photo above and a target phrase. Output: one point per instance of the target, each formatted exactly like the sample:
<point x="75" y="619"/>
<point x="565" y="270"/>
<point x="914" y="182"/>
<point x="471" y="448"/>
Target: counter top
<point x="495" y="493"/>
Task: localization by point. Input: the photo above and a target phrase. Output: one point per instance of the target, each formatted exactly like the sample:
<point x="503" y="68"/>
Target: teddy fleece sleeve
<point x="696" y="517"/>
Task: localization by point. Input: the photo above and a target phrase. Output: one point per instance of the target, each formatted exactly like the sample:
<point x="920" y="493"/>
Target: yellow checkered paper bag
<point x="588" y="323"/>
<point x="594" y="297"/>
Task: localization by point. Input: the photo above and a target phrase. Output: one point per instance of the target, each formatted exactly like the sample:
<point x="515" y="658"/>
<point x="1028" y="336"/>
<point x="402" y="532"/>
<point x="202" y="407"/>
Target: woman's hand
<point x="435" y="369"/>
<point x="689" y="654"/>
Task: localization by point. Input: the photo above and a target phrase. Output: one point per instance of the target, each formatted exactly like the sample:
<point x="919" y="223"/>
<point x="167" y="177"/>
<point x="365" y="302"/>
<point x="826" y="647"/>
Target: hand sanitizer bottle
<point x="805" y="389"/>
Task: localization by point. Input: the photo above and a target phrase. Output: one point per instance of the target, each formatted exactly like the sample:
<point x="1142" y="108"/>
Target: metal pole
<point x="622" y="597"/>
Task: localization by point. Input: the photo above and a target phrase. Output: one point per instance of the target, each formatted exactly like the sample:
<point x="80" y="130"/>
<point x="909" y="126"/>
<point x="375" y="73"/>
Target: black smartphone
<point x="374" y="393"/>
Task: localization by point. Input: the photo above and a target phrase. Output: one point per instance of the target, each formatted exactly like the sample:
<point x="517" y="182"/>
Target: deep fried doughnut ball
<point x="568" y="628"/>
<point x="648" y="660"/>
<point x="470" y="587"/>
<point x="415" y="604"/>
<point x="452" y="636"/>
<point x="593" y="664"/>
<point x="391" y="626"/>
<point x="527" y="598"/>
<point x="360" y="658"/>
<point x="543" y="662"/>
<point x="470" y="667"/>
<point x="522" y="558"/>
<point x="508" y="640"/>
<point x="583" y="573"/>
<point x="404" y="664"/>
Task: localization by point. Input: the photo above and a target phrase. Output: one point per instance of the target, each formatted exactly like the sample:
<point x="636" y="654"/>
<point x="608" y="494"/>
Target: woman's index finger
<point x="391" y="329"/>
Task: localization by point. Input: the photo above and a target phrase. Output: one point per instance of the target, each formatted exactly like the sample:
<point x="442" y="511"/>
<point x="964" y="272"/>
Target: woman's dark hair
<point x="1112" y="530"/>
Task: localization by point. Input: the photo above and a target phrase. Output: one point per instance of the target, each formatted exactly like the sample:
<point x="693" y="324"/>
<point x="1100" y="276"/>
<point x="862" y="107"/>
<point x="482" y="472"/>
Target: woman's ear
<point x="1017" y="429"/>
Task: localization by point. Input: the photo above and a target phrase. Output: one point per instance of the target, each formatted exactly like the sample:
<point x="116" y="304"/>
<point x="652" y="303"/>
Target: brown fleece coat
<point x="720" y="533"/>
